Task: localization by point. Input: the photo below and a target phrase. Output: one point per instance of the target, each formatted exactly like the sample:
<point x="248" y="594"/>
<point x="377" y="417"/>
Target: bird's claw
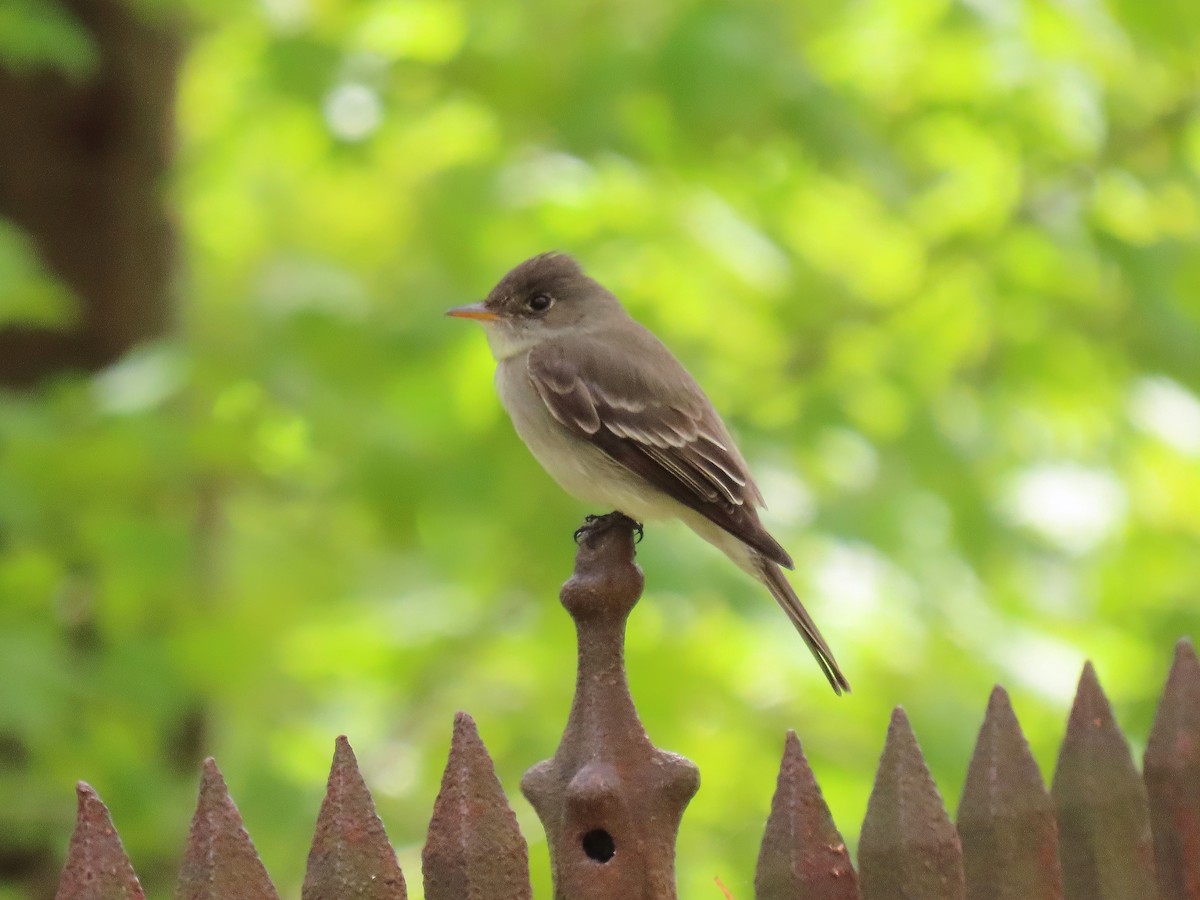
<point x="583" y="529"/>
<point x="590" y="522"/>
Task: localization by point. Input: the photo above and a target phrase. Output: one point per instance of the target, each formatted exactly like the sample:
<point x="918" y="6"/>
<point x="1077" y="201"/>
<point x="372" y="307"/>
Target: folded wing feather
<point x="659" y="426"/>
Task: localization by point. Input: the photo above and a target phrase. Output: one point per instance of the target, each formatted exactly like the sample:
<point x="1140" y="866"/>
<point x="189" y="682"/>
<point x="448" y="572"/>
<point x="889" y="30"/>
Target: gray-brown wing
<point x="658" y="425"/>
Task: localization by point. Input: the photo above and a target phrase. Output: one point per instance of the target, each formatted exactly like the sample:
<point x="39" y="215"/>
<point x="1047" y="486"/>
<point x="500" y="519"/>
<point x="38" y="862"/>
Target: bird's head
<point x="542" y="298"/>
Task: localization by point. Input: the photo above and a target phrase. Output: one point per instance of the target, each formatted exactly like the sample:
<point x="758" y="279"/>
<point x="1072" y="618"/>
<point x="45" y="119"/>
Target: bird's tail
<point x="772" y="576"/>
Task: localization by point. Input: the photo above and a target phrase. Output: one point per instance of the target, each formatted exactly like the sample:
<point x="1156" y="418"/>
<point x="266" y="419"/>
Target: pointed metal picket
<point x="909" y="850"/>
<point x="1172" y="776"/>
<point x="1006" y="817"/>
<point x="1103" y="820"/>
<point x="803" y="854"/>
<point x="350" y="855"/>
<point x="474" y="849"/>
<point x="220" y="862"/>
<point x="97" y="867"/>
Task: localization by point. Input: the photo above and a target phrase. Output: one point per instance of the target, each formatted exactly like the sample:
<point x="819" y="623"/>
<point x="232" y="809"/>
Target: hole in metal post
<point x="598" y="845"/>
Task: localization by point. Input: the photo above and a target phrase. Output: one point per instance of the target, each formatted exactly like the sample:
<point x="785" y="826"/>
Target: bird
<point x="618" y="422"/>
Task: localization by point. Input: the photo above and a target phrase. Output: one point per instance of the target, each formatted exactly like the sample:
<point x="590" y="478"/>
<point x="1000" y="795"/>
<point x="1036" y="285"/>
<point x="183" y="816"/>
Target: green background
<point x="936" y="262"/>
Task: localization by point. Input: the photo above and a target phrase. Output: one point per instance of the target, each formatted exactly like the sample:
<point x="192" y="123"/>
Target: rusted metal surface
<point x="609" y="800"/>
<point x="220" y="862"/>
<point x="474" y="849"/>
<point x="909" y="850"/>
<point x="803" y="854"/>
<point x="611" y="804"/>
<point x="97" y="867"/>
<point x="350" y="855"/>
<point x="1172" y="776"/>
<point x="1006" y="817"/>
<point x="1103" y="820"/>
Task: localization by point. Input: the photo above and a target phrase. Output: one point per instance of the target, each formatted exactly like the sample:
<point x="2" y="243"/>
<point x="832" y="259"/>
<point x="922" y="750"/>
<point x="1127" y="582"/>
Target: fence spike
<point x="803" y="854"/>
<point x="350" y="855"/>
<point x="610" y="801"/>
<point x="1172" y="774"/>
<point x="220" y="862"/>
<point x="1103" y="820"/>
<point x="909" y="849"/>
<point x="474" y="849"/>
<point x="97" y="867"/>
<point x="1006" y="817"/>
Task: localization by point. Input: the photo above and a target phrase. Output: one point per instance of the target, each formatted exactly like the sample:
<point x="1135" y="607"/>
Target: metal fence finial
<point x="1105" y="843"/>
<point x="1006" y="817"/>
<point x="473" y="849"/>
<point x="97" y="866"/>
<point x="803" y="854"/>
<point x="609" y="800"/>
<point x="350" y="854"/>
<point x="220" y="862"/>
<point x="1172" y="775"/>
<point x="908" y="847"/>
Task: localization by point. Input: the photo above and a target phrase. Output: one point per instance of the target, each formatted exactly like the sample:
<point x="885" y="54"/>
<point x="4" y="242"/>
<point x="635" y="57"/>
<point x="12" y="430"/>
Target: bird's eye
<point x="539" y="303"/>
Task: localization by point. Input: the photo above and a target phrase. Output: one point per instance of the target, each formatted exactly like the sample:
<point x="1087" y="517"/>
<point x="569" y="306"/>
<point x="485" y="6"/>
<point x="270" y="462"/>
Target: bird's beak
<point x="473" y="311"/>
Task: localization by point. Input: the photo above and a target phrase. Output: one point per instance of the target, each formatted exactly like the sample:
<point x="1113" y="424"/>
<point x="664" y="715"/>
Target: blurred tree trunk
<point x="83" y="165"/>
<point x="82" y="170"/>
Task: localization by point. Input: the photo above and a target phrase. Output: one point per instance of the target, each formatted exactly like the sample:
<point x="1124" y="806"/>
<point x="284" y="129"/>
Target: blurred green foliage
<point x="35" y="34"/>
<point x="937" y="263"/>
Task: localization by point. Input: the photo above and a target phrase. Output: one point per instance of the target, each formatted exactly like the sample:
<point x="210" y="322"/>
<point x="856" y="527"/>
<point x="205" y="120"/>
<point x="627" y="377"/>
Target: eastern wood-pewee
<point x="618" y="422"/>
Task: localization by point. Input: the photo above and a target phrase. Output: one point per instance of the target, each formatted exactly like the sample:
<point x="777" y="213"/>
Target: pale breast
<point x="581" y="469"/>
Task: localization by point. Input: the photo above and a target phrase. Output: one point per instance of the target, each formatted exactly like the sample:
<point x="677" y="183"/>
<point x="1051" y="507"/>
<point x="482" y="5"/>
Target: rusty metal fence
<point x="611" y="804"/>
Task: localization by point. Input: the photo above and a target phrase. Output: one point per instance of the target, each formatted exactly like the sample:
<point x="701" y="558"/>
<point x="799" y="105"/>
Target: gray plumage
<point x="614" y="418"/>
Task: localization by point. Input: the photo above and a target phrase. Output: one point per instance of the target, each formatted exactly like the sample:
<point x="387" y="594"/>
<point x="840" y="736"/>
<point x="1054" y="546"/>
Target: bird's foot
<point x="591" y="523"/>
